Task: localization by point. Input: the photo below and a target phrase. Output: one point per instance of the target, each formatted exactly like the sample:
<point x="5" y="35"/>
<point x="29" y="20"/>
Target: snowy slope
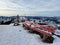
<point x="16" y="35"/>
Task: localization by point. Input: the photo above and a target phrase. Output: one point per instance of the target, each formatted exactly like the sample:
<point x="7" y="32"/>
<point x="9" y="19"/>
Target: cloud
<point x="30" y="6"/>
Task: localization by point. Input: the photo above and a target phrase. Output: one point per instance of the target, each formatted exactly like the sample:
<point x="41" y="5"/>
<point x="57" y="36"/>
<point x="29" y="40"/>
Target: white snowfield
<point x="16" y="35"/>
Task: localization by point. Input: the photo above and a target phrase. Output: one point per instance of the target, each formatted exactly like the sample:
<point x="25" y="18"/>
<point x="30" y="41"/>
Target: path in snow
<point x="10" y="35"/>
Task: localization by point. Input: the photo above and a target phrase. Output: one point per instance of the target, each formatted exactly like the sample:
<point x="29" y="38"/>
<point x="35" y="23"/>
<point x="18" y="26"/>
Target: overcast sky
<point x="30" y="7"/>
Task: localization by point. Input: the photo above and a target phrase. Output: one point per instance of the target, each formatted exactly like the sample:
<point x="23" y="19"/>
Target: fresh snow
<point x="16" y="35"/>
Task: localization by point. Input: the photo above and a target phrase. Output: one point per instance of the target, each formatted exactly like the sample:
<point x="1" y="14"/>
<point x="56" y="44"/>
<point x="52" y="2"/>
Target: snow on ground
<point x="16" y="35"/>
<point x="57" y="32"/>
